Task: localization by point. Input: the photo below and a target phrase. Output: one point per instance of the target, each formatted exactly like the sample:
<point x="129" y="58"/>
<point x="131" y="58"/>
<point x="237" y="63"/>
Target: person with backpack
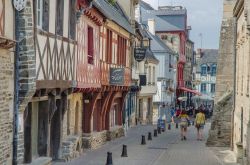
<point x="199" y="124"/>
<point x="184" y="120"/>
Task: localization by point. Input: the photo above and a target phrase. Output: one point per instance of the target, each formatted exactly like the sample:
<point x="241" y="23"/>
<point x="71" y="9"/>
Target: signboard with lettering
<point x="116" y="76"/>
<point x="139" y="54"/>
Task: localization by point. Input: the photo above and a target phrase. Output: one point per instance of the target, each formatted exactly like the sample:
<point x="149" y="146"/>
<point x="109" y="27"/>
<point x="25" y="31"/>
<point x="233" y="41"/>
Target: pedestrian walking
<point x="172" y="111"/>
<point x="199" y="124"/>
<point x="184" y="119"/>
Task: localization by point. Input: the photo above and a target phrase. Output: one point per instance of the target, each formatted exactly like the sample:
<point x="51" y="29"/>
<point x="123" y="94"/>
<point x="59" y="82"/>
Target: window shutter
<point x="45" y="16"/>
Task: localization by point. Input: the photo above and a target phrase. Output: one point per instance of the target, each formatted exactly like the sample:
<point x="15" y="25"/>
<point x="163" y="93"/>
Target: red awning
<point x="190" y="90"/>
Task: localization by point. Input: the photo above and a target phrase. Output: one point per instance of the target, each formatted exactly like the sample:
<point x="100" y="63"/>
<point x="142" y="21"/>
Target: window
<point x="72" y="20"/>
<point x="203" y="87"/>
<point x="212" y="88"/>
<point x="90" y="45"/>
<point x="213" y="72"/>
<point x="42" y="16"/>
<point x="153" y="75"/>
<point x="149" y="75"/>
<point x="109" y="46"/>
<point x="59" y="17"/>
<point x="203" y="70"/>
<point x="121" y="51"/>
<point x="39" y="15"/>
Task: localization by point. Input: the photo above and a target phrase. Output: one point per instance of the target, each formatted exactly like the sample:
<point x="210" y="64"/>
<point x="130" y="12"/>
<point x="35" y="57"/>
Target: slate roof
<point x="170" y="19"/>
<point x="150" y="56"/>
<point x="209" y="56"/>
<point x="113" y="14"/>
<point x="158" y="46"/>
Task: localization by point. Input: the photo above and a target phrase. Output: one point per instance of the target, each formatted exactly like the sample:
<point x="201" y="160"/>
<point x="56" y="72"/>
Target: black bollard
<point x="124" y="151"/>
<point x="169" y="126"/>
<point x="193" y="122"/>
<point x="159" y="130"/>
<point x="109" y="159"/>
<point x="155" y="133"/>
<point x="176" y="125"/>
<point x="143" y="140"/>
<point x="149" y="136"/>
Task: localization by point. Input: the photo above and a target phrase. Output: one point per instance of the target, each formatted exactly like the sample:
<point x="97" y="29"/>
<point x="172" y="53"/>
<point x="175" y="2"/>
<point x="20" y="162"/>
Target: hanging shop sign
<point x="139" y="54"/>
<point x="116" y="76"/>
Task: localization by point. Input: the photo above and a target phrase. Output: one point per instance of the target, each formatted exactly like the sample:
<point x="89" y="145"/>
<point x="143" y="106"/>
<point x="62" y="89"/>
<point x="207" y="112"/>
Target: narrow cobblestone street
<point x="167" y="148"/>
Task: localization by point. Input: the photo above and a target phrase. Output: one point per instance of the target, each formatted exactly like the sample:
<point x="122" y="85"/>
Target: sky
<point x="204" y="16"/>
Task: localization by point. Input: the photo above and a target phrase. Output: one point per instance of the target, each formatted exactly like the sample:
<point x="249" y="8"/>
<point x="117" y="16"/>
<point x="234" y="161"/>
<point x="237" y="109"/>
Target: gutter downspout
<point x="16" y="87"/>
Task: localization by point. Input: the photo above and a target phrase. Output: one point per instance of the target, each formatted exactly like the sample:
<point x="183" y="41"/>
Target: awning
<point x="190" y="90"/>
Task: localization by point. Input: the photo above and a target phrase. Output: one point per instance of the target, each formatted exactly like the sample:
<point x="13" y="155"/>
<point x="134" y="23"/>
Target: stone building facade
<point x="241" y="119"/>
<point x="221" y="127"/>
<point x="6" y="80"/>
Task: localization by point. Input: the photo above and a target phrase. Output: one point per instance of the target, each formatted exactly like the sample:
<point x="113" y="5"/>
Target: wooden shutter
<point x="45" y="16"/>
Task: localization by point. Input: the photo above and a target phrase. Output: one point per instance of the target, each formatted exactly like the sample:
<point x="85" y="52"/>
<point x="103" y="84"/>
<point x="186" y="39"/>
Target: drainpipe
<point x="16" y="87"/>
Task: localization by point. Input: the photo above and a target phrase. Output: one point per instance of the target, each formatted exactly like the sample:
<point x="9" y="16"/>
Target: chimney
<point x="151" y="26"/>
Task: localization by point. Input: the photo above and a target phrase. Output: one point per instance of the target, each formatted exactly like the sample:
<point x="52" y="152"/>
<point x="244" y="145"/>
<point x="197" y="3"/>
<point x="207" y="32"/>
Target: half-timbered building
<point x="77" y="76"/>
<point x="102" y="112"/>
<point x="64" y="70"/>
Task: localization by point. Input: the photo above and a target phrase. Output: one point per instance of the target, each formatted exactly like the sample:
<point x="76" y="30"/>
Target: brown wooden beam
<point x="49" y="84"/>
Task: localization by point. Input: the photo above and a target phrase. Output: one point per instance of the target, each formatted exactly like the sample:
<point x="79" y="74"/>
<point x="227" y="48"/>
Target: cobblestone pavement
<point x="166" y="149"/>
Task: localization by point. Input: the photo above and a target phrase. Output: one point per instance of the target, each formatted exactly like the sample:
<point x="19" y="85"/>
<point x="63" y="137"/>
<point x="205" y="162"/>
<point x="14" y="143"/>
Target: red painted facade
<point x="100" y="50"/>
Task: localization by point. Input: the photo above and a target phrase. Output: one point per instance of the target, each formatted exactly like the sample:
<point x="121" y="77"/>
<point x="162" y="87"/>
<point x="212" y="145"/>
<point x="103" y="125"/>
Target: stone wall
<point x="220" y="133"/>
<point x="6" y="105"/>
<point x="96" y="139"/>
<point x="221" y="127"/>
<point x="27" y="68"/>
<point x="114" y="133"/>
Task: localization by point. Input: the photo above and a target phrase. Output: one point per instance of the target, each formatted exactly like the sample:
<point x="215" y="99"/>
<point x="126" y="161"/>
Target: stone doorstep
<point x="42" y="161"/>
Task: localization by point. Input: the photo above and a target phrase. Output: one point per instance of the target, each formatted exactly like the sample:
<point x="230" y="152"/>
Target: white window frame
<point x="39" y="13"/>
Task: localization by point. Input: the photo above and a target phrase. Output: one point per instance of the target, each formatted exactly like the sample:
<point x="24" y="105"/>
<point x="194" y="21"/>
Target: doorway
<point x="55" y="131"/>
